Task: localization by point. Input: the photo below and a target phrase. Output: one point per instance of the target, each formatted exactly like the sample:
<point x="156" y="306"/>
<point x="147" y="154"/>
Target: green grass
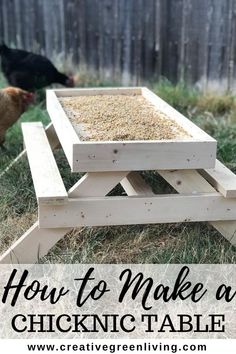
<point x="172" y="243"/>
<point x="178" y="96"/>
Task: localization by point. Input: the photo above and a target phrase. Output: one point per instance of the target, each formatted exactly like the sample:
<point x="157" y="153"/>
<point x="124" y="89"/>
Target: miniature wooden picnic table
<point x="207" y="189"/>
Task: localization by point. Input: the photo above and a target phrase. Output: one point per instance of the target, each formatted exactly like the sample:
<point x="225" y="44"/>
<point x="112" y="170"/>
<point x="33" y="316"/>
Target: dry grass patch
<point x="13" y="227"/>
<point x="216" y="104"/>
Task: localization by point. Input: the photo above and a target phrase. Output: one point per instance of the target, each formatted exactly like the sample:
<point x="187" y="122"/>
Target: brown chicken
<point x="13" y="102"/>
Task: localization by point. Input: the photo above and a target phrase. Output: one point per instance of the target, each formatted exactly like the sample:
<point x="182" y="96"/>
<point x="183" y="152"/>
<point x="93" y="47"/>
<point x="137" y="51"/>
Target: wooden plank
<point x="191" y="39"/>
<point x="107" y="35"/>
<point x="171" y="14"/>
<point x="47" y="180"/>
<point x="158" y="38"/>
<point x="80" y="14"/>
<point x="187" y="181"/>
<point x="116" y="41"/>
<point x="62" y="125"/>
<point x="216" y="39"/>
<point x="148" y="32"/>
<point x="222" y="179"/>
<point x="52" y="137"/>
<point x="134" y="184"/>
<point x="126" y="43"/>
<point x="142" y="155"/>
<point x="138" y="210"/>
<point x="183" y="43"/>
<point x="137" y="35"/>
<point x="93" y="183"/>
<point x="231" y="39"/>
<point x="36" y="243"/>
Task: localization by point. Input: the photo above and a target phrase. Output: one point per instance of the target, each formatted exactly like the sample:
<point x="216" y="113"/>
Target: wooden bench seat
<point x="48" y="184"/>
<point x="222" y="179"/>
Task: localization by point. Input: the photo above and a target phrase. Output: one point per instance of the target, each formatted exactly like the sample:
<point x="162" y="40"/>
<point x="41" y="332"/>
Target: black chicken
<point x="30" y="71"/>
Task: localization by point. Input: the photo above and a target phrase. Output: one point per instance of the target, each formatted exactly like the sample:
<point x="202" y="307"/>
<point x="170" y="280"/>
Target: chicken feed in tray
<point x="118" y="118"/>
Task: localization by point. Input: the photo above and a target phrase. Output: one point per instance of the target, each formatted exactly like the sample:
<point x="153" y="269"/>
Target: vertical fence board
<point x="216" y="39"/>
<point x="130" y="40"/>
<point x="116" y="41"/>
<point x="1" y="24"/>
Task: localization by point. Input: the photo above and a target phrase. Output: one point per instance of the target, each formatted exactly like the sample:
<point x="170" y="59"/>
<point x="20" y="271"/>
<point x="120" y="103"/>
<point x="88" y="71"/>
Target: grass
<point x="172" y="243"/>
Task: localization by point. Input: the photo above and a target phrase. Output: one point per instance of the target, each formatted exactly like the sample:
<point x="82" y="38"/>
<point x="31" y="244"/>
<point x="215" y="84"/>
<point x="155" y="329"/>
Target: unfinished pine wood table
<point x="207" y="189"/>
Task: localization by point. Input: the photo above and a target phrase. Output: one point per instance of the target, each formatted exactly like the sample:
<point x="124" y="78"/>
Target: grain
<point x="119" y="117"/>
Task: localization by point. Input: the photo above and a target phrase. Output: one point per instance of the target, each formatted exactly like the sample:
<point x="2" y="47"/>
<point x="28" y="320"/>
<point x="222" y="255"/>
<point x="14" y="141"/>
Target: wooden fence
<point x="130" y="40"/>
